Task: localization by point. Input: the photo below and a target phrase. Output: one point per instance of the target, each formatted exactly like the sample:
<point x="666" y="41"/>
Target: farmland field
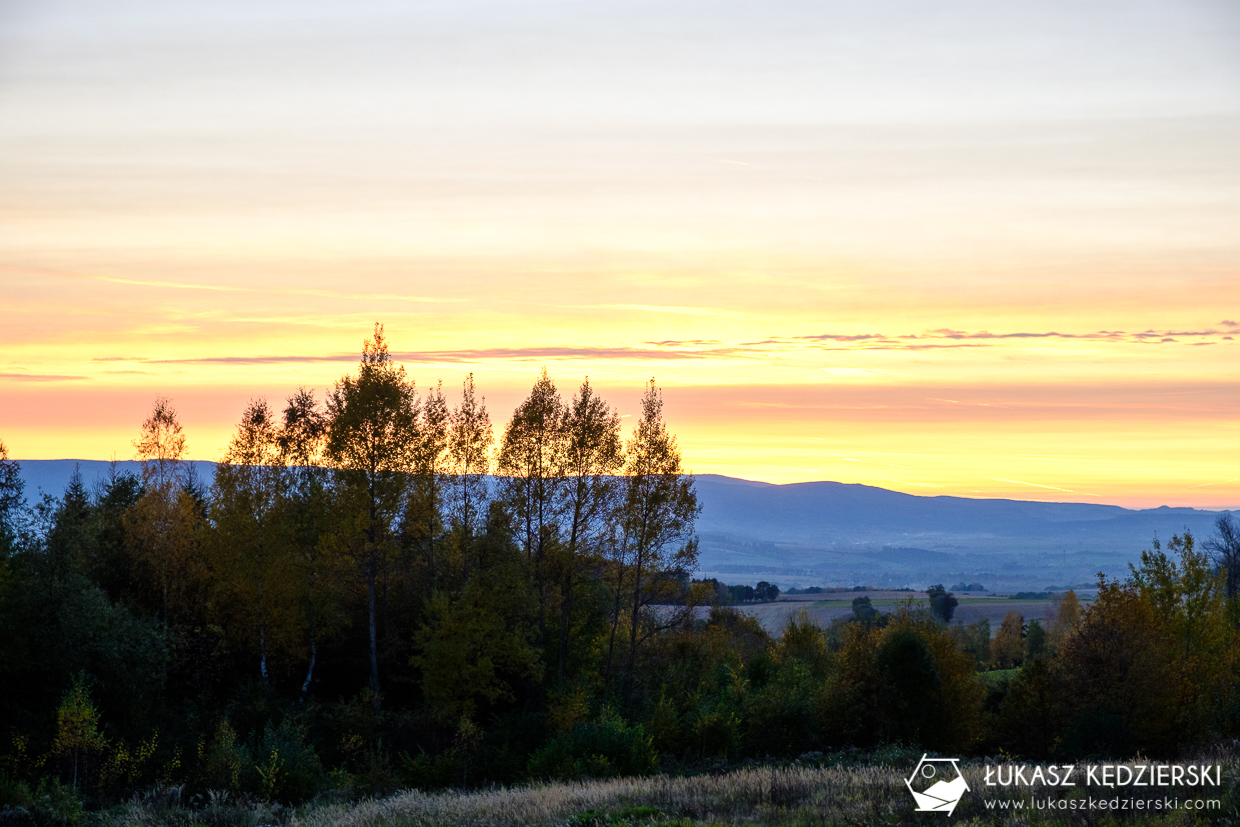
<point x="822" y="609"/>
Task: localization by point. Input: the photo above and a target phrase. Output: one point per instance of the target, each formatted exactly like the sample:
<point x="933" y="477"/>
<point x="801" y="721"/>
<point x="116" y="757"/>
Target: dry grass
<point x="761" y="796"/>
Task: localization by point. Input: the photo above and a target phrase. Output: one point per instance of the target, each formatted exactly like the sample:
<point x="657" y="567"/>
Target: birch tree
<point x="657" y="516"/>
<point x="303" y="435"/>
<point x="529" y="464"/>
<point x="251" y="540"/>
<point x="591" y="459"/>
<point x="423" y="522"/>
<point x="372" y="436"/>
<point x="470" y="442"/>
<point x="161" y="528"/>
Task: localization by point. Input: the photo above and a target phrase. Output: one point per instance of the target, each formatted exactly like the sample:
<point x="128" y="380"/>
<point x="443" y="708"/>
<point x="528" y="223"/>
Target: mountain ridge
<point x="829" y="532"/>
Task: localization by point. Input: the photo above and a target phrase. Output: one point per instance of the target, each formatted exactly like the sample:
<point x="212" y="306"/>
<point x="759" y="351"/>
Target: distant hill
<point x="805" y="533"/>
<point x="830" y="533"/>
<point x="51" y="476"/>
<point x="839" y="515"/>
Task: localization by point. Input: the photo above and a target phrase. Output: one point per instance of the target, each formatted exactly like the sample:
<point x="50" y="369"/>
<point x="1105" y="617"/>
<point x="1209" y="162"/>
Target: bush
<point x="16" y="817"/>
<point x="14" y="792"/>
<point x="779" y="718"/>
<point x="219" y="762"/>
<point x="283" y="766"/>
<point x="56" y="804"/>
<point x="606" y="748"/>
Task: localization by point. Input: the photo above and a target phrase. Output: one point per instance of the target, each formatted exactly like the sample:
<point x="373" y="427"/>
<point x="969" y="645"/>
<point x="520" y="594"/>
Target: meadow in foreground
<point x="796" y="794"/>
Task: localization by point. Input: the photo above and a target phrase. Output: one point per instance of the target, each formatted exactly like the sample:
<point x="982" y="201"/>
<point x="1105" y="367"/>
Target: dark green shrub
<point x="283" y="766"/>
<point x="779" y="718"/>
<point x="14" y="792"/>
<point x="56" y="804"/>
<point x="605" y="748"/>
<point x="219" y="761"/>
<point x="16" y="817"/>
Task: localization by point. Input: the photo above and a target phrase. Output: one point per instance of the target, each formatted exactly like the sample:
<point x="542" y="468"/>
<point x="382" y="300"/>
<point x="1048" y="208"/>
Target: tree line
<point x="373" y="592"/>
<point x="376" y="549"/>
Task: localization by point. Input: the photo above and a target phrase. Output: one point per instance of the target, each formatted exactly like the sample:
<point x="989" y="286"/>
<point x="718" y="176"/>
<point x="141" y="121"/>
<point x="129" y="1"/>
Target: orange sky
<point x="1005" y="268"/>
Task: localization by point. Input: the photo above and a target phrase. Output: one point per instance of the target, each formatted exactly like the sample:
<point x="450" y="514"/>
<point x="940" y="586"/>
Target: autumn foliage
<point x="375" y="592"/>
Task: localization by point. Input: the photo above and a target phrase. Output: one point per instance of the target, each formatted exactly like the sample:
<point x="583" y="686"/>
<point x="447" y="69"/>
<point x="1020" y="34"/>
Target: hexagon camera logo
<point x="936" y="784"/>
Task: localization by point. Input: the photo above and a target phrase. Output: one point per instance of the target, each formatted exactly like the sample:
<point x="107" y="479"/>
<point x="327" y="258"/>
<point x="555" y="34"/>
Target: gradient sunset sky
<point x="974" y="248"/>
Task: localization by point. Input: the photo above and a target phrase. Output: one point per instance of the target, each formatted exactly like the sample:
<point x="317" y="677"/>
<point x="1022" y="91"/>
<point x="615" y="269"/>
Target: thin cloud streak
<point x="876" y="340"/>
<point x="1035" y="485"/>
<point x="679" y="310"/>
<point x="43" y="377"/>
<point x="679" y="350"/>
<point x="229" y="288"/>
<point x="442" y="356"/>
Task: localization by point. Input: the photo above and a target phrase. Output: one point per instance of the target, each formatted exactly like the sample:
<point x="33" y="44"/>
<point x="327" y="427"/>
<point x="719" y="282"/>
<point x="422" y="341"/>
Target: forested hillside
<point x="351" y="606"/>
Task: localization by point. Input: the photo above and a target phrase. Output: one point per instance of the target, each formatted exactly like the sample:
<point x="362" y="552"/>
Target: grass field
<point x="840" y="790"/>
<point x="796" y="796"/>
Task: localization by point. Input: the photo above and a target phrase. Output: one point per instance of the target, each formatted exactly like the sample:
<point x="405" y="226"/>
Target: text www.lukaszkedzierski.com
<point x="1104" y="804"/>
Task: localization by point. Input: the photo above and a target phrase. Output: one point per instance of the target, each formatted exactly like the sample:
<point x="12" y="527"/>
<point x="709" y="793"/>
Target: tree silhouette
<point x="252" y="540"/>
<point x="591" y="459"/>
<point x="942" y="602"/>
<point x="470" y="440"/>
<point x="657" y="515"/>
<point x="11" y="502"/>
<point x="531" y="458"/>
<point x="1224" y="549"/>
<point x="371" y="442"/>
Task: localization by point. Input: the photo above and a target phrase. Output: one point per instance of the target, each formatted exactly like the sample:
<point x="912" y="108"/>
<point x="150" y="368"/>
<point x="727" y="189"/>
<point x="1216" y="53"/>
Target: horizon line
<point x="1218" y="509"/>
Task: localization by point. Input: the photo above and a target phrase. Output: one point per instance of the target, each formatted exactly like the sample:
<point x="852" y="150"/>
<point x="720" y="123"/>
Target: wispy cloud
<point x="942" y="337"/>
<point x="232" y="288"/>
<point x="698" y="349"/>
<point x="1218" y="482"/>
<point x="442" y="356"/>
<point x="679" y="310"/>
<point x="42" y="377"/>
<point x="174" y="285"/>
<point x="1035" y="485"/>
<point x="685" y="342"/>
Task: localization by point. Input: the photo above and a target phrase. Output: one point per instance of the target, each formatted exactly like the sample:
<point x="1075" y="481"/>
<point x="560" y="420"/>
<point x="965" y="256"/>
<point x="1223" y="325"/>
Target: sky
<point x="968" y="248"/>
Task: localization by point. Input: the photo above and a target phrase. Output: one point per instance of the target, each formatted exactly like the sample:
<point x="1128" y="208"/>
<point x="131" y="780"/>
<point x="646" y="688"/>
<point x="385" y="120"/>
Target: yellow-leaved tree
<point x="78" y="737"/>
<point x="372" y="440"/>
